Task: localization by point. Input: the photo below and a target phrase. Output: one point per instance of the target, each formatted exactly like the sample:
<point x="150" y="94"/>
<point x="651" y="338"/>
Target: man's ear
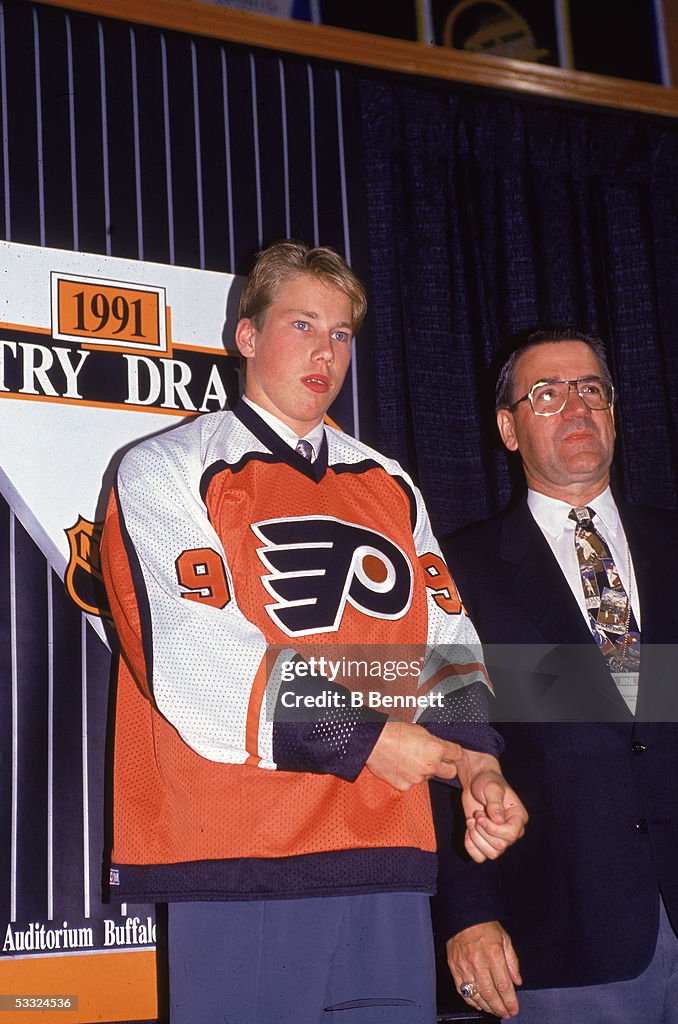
<point x="506" y="426"/>
<point x="245" y="332"/>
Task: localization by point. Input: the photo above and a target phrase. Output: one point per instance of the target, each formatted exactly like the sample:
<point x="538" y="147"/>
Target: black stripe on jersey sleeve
<point x="140" y="591"/>
<point x="335" y="740"/>
<point x="463" y="718"/>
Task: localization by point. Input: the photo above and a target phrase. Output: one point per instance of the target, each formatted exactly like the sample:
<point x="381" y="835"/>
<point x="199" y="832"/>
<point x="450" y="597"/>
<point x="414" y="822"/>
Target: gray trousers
<point x="364" y="959"/>
<point x="651" y="998"/>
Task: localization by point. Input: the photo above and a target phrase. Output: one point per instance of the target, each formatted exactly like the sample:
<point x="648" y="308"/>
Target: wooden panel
<point x="670" y="14"/>
<point x="342" y="45"/>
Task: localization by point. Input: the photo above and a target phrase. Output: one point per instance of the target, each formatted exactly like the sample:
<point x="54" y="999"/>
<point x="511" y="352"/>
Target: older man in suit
<point x="577" y="590"/>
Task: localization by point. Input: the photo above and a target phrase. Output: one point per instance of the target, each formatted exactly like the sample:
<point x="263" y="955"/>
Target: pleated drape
<point x="490" y="214"/>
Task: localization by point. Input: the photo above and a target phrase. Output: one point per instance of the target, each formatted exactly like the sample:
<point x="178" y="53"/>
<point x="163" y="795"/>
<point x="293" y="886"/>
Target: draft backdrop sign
<point x="95" y="353"/>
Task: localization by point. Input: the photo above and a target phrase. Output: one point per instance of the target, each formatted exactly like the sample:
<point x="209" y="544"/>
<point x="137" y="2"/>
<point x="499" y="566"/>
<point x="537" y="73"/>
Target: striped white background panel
<point x="150" y="145"/>
<point x="134" y="142"/>
<point x="54" y="673"/>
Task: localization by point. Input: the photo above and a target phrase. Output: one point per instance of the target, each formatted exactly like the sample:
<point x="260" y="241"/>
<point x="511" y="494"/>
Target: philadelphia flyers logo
<point x="318" y="564"/>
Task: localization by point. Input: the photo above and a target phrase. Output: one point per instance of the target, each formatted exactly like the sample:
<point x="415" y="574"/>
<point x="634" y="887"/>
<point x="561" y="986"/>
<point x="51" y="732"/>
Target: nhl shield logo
<point x="84" y="581"/>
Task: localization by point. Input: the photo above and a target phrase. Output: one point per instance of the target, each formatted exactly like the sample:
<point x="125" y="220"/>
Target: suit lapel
<point x="655" y="563"/>
<point x="537" y="581"/>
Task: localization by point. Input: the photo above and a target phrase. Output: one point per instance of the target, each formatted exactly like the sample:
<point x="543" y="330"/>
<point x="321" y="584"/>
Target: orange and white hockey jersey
<point x="227" y="555"/>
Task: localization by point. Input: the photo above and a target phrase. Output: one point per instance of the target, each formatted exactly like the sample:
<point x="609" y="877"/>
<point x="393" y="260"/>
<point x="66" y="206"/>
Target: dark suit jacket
<point x="578" y="893"/>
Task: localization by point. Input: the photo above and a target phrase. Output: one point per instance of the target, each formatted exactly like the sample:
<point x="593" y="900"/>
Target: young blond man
<point x="296" y="854"/>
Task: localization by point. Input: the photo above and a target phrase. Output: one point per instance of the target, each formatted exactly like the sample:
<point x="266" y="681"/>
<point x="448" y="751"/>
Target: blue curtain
<point x="490" y="214"/>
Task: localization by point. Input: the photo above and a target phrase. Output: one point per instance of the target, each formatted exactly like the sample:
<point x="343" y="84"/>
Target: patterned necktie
<point x="611" y="617"/>
<point x="305" y="448"/>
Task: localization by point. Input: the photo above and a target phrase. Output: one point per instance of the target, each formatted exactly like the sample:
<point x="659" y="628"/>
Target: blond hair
<point x="290" y="258"/>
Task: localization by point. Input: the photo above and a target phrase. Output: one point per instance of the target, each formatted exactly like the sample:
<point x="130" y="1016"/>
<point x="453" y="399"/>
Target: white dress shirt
<point x="552" y="518"/>
<point x="285" y="433"/>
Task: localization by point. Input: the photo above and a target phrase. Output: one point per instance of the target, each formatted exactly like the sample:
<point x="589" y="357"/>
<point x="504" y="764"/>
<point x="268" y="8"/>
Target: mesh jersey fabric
<point x="219" y="541"/>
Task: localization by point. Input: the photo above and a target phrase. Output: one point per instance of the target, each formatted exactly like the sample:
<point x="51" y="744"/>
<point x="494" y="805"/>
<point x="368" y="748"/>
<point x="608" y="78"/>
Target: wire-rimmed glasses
<point x="549" y="397"/>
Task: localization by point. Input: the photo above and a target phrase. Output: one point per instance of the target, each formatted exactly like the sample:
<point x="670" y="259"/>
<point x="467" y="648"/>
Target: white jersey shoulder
<point x="204" y="658"/>
<point x="189" y="449"/>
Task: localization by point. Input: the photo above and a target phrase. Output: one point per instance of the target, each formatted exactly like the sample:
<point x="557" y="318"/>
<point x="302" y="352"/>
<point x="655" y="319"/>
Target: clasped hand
<point x="406" y="754"/>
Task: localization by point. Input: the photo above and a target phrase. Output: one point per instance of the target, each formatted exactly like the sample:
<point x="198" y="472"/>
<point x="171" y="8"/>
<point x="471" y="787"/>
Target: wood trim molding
<point x="362" y="49"/>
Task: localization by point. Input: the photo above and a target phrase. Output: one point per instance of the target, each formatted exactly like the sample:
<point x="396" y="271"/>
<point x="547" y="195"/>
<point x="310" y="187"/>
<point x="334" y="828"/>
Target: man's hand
<point x="406" y="754"/>
<point x="485" y="956"/>
<point x="495" y="815"/>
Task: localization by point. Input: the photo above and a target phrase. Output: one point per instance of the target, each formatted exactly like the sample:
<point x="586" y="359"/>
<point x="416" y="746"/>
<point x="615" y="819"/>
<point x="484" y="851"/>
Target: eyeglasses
<point x="549" y="397"/>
